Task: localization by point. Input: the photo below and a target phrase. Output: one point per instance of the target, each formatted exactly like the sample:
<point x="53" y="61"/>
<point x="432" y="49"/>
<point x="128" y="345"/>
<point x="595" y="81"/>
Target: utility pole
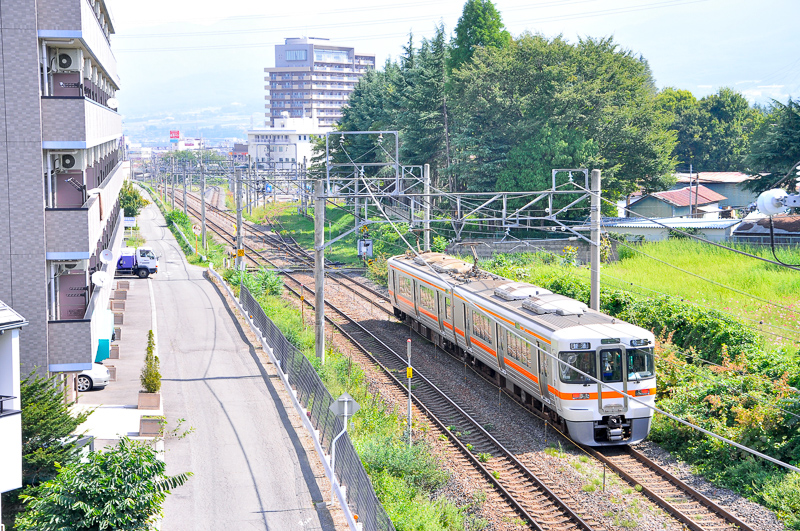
<point x="594" y="302"/>
<point x="202" y="202"/>
<point x="184" y="190"/>
<point x="172" y="178"/>
<point x="319" y="270"/>
<point x="237" y="176"/>
<point x="427" y="224"/>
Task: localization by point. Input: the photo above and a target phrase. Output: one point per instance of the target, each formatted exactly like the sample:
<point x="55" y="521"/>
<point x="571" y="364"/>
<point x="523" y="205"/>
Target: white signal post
<point x="409" y="374"/>
<point x="319" y="270"/>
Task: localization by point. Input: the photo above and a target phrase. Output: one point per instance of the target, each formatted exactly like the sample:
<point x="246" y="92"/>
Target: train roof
<point x="541" y="306"/>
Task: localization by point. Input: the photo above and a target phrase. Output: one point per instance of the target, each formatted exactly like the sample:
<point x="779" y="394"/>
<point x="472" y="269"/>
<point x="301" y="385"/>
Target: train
<point x="537" y="344"/>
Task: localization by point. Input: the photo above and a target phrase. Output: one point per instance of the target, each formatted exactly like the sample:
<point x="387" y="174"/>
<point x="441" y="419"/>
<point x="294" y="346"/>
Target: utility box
<point x="365" y="248"/>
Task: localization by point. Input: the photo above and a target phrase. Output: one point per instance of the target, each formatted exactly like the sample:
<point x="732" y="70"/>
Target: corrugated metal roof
<point x="673" y="223"/>
<point x="699" y="195"/>
<point x="9" y="318"/>
<point x="783" y="225"/>
<point x="714" y="177"/>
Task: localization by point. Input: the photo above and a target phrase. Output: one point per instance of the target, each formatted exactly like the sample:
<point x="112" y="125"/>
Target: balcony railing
<point x="6" y="410"/>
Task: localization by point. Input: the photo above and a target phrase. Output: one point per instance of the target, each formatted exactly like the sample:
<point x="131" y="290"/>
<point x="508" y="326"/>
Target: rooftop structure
<point x="285" y="145"/>
<point x="312" y="77"/>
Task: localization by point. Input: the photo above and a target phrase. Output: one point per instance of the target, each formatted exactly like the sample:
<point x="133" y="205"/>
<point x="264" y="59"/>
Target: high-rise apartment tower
<point x="61" y="171"/>
<point x="313" y="78"/>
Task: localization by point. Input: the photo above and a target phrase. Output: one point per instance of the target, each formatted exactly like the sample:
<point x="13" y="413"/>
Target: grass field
<point x="702" y="274"/>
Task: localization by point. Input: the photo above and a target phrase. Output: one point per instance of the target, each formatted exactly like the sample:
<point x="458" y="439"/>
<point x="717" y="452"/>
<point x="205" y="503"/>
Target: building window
<point x="481" y="326"/>
<point x="296" y="55"/>
<point x="447" y="311"/>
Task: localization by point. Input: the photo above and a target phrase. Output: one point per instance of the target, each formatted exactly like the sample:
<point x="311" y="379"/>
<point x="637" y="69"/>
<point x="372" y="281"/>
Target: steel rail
<point x="713" y="517"/>
<point x="423" y="384"/>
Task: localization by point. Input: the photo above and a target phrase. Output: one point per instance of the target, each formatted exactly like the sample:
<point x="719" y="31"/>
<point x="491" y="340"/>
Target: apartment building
<point x="285" y="145"/>
<point x="10" y="403"/>
<point x="60" y="177"/>
<point x="312" y="77"/>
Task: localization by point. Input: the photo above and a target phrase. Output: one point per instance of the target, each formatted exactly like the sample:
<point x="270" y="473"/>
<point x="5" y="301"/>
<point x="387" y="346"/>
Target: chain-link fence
<point x="313" y="395"/>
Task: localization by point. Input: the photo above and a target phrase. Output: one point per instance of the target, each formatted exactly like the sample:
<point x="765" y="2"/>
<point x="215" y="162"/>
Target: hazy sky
<point x="199" y="63"/>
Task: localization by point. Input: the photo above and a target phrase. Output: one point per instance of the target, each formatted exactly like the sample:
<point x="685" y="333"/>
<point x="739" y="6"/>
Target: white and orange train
<point x="531" y="340"/>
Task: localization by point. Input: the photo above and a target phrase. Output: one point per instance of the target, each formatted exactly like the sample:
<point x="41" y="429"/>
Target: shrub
<point x="151" y="376"/>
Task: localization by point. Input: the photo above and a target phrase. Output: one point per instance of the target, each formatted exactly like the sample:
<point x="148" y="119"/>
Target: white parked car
<point x="95" y="378"/>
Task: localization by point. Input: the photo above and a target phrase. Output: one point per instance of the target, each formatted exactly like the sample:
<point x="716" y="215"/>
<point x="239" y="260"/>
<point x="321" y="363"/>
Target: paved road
<point x="250" y="469"/>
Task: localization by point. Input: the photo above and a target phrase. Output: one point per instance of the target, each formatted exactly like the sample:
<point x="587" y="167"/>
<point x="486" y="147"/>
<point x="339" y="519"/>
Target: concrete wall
<point x="23" y="274"/>
<point x="487" y="248"/>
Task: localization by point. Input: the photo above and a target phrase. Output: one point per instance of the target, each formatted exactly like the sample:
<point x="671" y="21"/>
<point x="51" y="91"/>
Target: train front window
<point x="640" y="363"/>
<point x="611" y="365"/>
<point x="583" y="361"/>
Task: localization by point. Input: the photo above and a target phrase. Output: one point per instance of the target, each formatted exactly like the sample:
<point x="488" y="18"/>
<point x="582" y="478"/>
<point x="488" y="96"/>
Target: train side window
<point x="427" y="298"/>
<point x="405" y="286"/>
<point x="448" y="313"/>
<point x="481" y="327"/>
<point x="517" y="348"/>
<point x="583" y="361"/>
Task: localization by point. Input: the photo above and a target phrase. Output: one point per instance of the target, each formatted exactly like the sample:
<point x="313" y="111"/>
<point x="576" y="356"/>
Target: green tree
<point x="150" y="376"/>
<point x="604" y="93"/>
<point x="713" y="133"/>
<point x="131" y="200"/>
<point x="480" y="25"/>
<point x="775" y="146"/>
<point x="47" y="432"/>
<point x="121" y="489"/>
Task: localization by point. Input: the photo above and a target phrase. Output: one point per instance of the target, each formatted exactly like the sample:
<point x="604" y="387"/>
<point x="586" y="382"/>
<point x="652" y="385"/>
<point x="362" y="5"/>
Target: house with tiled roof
<point x="691" y="201"/>
<point x="728" y="183"/>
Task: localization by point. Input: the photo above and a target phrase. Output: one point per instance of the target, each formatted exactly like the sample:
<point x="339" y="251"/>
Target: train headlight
<point x="580" y="346"/>
<point x="642" y="392"/>
<point x="580" y="396"/>
<point x="639" y="342"/>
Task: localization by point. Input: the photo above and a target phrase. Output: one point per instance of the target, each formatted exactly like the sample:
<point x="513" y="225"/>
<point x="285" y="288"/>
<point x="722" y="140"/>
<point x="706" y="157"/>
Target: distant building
<point x="312" y="77"/>
<point x="694" y="201"/>
<point x="62" y="172"/>
<point x="285" y="145"/>
<point x="239" y="152"/>
<point x="755" y="229"/>
<point x="10" y="404"/>
<point x="716" y="230"/>
<point x="727" y="183"/>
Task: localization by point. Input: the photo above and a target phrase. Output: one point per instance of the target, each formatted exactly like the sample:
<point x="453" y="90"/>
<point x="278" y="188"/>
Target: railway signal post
<point x="319" y="270"/>
<point x="202" y="205"/>
<point x="409" y="374"/>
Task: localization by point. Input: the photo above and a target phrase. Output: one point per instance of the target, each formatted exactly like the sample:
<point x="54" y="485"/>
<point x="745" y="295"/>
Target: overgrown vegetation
<point x="405" y="479"/>
<point x="48" y="436"/>
<point x="749" y="391"/>
<point x="131" y="199"/>
<point x="122" y="488"/>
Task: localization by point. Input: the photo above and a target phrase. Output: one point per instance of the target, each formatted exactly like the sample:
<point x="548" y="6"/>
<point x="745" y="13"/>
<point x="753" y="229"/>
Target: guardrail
<point x="350" y="481"/>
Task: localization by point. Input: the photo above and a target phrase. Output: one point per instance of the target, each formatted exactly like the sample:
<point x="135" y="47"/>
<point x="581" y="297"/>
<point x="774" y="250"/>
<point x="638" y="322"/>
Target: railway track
<point x="531" y="499"/>
<point x="516" y="482"/>
<point x="673" y="495"/>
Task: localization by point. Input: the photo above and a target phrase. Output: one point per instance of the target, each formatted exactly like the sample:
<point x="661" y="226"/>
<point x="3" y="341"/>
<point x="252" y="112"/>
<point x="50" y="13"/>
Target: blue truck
<point x="141" y="262"/>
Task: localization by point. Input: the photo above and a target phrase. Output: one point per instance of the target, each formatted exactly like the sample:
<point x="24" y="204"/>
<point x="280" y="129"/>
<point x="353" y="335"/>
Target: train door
<point x="500" y="346"/>
<point x="543" y="373"/>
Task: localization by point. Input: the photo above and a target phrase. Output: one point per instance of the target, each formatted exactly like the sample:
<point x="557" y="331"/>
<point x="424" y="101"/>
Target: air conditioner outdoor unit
<point x="70" y="265"/>
<point x="71" y="161"/>
<point x="68" y="60"/>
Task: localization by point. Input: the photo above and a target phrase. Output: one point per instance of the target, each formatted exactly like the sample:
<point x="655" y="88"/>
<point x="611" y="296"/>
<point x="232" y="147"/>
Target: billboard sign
<point x="174" y="136"/>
